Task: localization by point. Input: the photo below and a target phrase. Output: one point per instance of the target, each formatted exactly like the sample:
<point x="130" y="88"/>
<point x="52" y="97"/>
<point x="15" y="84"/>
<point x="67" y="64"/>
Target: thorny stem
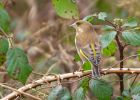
<point x="121" y="56"/>
<point x="121" y="49"/>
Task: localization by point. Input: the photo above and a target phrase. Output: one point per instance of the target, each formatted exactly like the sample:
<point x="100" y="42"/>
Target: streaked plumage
<point x="87" y="45"/>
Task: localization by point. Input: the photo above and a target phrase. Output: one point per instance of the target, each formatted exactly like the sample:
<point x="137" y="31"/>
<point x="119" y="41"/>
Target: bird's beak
<point x="73" y="25"/>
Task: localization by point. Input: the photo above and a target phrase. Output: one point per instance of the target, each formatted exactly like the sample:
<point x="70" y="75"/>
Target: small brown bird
<point x="88" y="45"/>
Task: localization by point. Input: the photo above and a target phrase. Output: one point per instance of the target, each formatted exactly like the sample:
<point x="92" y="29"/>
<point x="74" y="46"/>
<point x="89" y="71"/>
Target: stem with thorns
<point x="121" y="56"/>
<point x="121" y="47"/>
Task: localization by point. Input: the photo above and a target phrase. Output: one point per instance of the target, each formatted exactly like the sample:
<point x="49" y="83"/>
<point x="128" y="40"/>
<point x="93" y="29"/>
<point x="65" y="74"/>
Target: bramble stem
<point x="121" y="56"/>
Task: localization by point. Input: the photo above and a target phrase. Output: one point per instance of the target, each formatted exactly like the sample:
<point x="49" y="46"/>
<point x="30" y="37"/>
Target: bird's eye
<point x="78" y="23"/>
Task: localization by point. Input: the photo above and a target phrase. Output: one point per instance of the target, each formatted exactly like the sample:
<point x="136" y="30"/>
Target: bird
<point x="88" y="45"/>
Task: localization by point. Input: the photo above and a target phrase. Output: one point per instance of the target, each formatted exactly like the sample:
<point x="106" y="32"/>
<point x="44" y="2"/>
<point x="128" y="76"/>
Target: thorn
<point x="78" y="74"/>
<point x="61" y="78"/>
<point x="73" y="72"/>
<point x="132" y="72"/>
<point x="105" y="73"/>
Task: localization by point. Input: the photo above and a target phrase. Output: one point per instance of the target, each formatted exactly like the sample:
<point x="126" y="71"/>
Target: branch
<point x="52" y="78"/>
<point x="20" y="92"/>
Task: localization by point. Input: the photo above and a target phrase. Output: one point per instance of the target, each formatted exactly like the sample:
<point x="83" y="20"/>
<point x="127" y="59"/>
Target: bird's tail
<point x="96" y="70"/>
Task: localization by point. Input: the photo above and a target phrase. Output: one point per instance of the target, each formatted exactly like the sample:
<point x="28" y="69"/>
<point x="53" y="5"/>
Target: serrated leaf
<point x="131" y="37"/>
<point x="59" y="93"/>
<point x="77" y="58"/>
<point x="79" y="94"/>
<point x="131" y="22"/>
<point x="17" y="64"/>
<point x="4" y="19"/>
<point x="101" y="89"/>
<point x="110" y="49"/>
<point x="66" y="8"/>
<point x="87" y="65"/>
<point x="102" y="15"/>
<point x="4" y="45"/>
<point x="107" y="38"/>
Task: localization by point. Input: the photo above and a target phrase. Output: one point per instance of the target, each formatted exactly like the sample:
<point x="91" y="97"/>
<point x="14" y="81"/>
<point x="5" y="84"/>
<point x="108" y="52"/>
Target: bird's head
<point x="81" y="25"/>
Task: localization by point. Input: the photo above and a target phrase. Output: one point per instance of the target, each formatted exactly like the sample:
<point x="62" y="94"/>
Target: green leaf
<point x="131" y="22"/>
<point x="101" y="89"/>
<point x="90" y="17"/>
<point x="107" y="28"/>
<point x="59" y="93"/>
<point x="87" y="65"/>
<point x="2" y="59"/>
<point x="77" y="58"/>
<point x="119" y="98"/>
<point x="84" y="83"/>
<point x="110" y="49"/>
<point x="126" y="93"/>
<point x="66" y="8"/>
<point x="17" y="64"/>
<point x="79" y="94"/>
<point x="93" y="19"/>
<point x="4" y="19"/>
<point x="136" y="97"/>
<point x="131" y="38"/>
<point x="107" y="38"/>
<point x="4" y="45"/>
<point x="102" y="15"/>
<point x="83" y="87"/>
<point x="135" y="89"/>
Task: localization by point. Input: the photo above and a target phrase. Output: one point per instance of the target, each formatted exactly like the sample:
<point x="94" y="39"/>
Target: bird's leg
<point x="96" y="69"/>
<point x="95" y="62"/>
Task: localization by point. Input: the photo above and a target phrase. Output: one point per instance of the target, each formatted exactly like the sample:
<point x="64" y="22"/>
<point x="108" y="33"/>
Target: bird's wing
<point x="88" y="51"/>
<point x="92" y="47"/>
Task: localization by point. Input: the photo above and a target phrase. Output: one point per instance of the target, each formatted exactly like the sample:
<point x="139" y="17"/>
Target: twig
<point x="134" y="80"/>
<point x="36" y="34"/>
<point x="20" y="92"/>
<point x="118" y="62"/>
<point x="5" y="34"/>
<point x="123" y="79"/>
<point x="110" y="23"/>
<point x="51" y="78"/>
<point x="52" y="66"/>
<point x="5" y="3"/>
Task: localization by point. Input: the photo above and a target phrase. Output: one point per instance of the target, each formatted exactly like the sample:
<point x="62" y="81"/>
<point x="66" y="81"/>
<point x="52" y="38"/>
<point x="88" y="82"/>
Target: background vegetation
<point x="45" y="36"/>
